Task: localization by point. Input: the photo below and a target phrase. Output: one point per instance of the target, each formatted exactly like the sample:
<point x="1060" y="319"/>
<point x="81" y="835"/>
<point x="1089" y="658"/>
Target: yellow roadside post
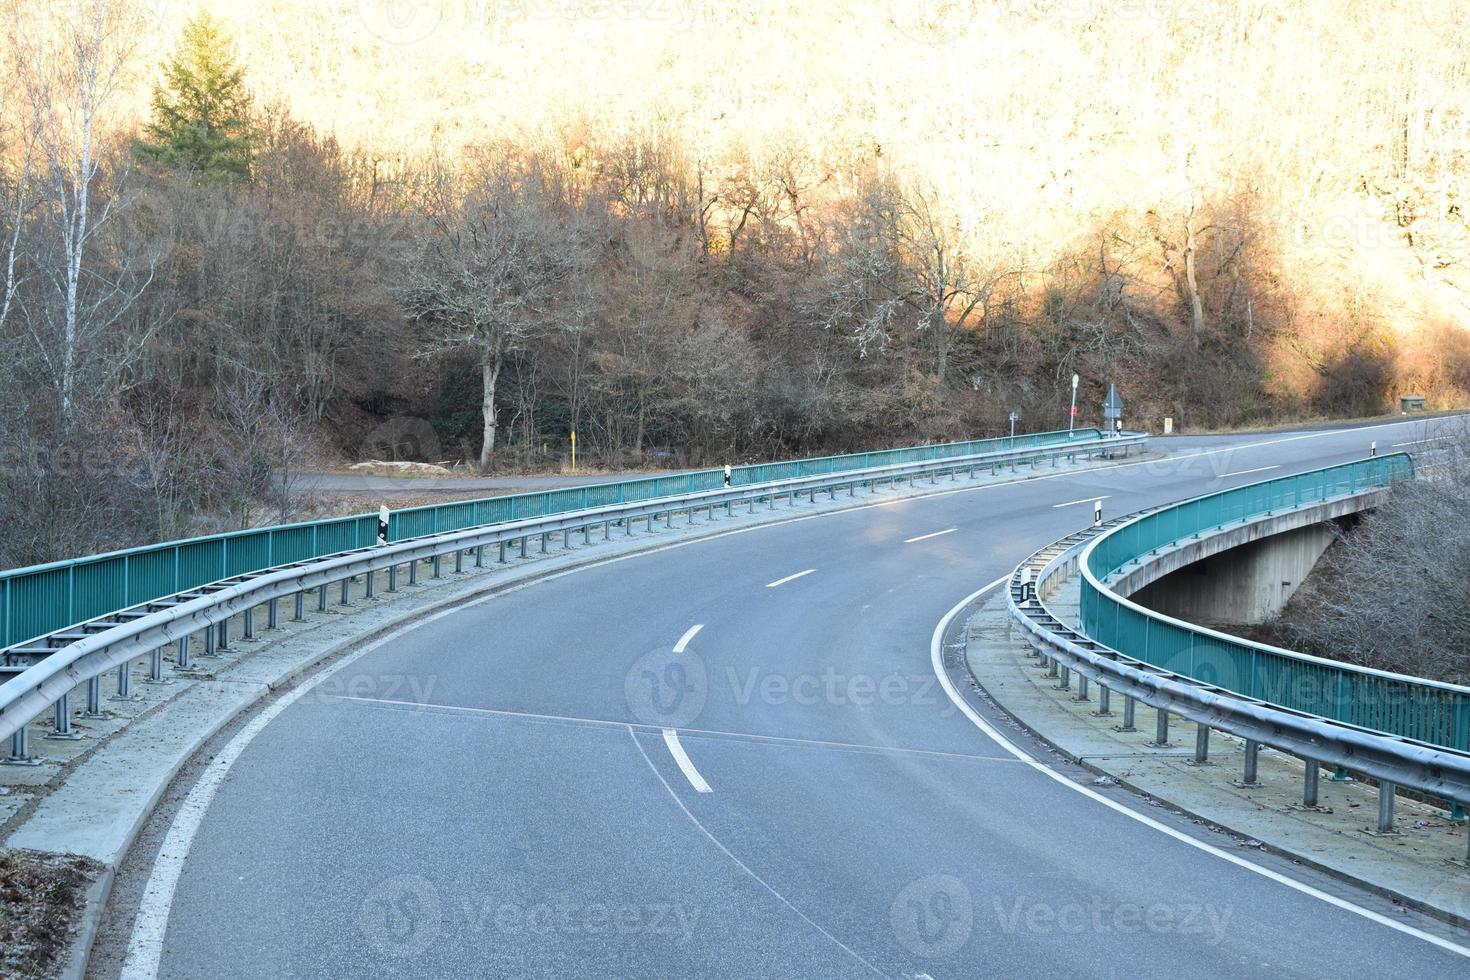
<point x="574" y="450"/>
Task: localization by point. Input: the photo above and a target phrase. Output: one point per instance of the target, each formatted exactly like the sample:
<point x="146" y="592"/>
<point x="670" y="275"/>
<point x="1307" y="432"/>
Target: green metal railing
<point x="42" y="599"/>
<point x="1426" y="711"/>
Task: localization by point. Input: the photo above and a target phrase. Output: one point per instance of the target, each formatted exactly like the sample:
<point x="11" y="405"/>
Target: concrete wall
<point x="1243" y="586"/>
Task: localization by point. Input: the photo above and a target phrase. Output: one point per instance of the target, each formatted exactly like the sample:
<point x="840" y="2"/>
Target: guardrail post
<point x="321" y="598"/>
<point x="607" y="530"/>
<point x="346" y="585"/>
<point x="546" y="534"/>
<point x="1309" y="785"/>
<point x="1129" y="713"/>
<point x="523" y="545"/>
<point x="458" y="561"/>
<point x="1252" y="757"/>
<point x="1104" y="701"/>
<point x="182" y="658"/>
<point x="61" y="719"/>
<point x="1201" y="744"/>
<point x="393" y="576"/>
<point x="209" y="641"/>
<point x="124" y="681"/>
<point x="502" y="552"/>
<point x="1386" y="795"/>
<point x="155" y="666"/>
<point x="94" y="698"/>
<point x="299" y="613"/>
<point x="1051" y="666"/>
<point x="1082" y="688"/>
<point x="224" y="635"/>
<point x="272" y="614"/>
<point x="248" y="628"/>
<point x="479" y="556"/>
<point x="367" y="584"/>
<point x="20" y="749"/>
<point x="1066" y="681"/>
<point x="566" y="538"/>
<point x="413" y="572"/>
<point x="434" y="566"/>
<point x="1161" y="727"/>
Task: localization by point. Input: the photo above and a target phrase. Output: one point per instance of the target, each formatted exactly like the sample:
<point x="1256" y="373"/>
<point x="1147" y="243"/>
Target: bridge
<point x="723" y="730"/>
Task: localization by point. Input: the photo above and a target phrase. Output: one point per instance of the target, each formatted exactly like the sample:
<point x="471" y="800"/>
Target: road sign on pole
<point x="1014" y="417"/>
<point x="1113" y="409"/>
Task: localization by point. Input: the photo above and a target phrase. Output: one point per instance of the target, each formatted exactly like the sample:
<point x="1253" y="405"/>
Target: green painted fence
<point x="42" y="599"/>
<point x="1426" y="711"/>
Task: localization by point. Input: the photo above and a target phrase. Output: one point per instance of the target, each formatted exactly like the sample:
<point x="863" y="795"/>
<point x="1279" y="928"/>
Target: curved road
<point x="542" y="784"/>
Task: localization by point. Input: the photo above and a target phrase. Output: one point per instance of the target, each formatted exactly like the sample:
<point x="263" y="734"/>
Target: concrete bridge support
<point x="1243" y="586"/>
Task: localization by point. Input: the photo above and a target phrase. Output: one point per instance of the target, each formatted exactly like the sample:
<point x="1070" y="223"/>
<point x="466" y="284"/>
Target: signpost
<point x="574" y="450"/>
<point x="1014" y="417"/>
<point x="1072" y="415"/>
<point x="1113" y="410"/>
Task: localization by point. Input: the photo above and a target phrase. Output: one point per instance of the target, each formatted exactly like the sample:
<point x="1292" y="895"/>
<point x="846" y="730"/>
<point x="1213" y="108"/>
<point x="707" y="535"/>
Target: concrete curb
<point x="1399" y="898"/>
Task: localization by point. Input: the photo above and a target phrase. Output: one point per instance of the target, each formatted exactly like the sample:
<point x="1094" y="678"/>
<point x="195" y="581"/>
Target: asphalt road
<point x="493" y="793"/>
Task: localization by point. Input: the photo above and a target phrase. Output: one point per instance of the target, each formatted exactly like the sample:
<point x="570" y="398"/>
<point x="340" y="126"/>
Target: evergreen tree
<point x="201" y="114"/>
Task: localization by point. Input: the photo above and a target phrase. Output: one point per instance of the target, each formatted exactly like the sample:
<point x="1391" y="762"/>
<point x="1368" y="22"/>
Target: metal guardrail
<point x="1426" y="711"/>
<point x="1391" y="759"/>
<point x="41" y="599"/>
<point x="43" y="673"/>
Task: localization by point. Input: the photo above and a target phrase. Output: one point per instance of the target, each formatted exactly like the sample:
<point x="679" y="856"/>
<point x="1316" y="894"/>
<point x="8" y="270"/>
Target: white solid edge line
<point x="936" y="658"/>
<point x="1258" y="469"/>
<point x="145" y="944"/>
<point x="1419" y="442"/>
<point x="1084" y="500"/>
<point x="932" y="534"/>
<point x="789" y="578"/>
<point x="676" y="749"/>
<point x="688" y="635"/>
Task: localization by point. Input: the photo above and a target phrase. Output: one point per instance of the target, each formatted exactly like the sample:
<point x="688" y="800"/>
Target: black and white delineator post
<point x="1097" y="513"/>
<point x="383" y="525"/>
<point x="727" y="474"/>
<point x="1373" y="448"/>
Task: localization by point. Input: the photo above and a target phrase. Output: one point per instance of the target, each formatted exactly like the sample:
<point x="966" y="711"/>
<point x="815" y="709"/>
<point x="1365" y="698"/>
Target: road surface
<point x="734" y="758"/>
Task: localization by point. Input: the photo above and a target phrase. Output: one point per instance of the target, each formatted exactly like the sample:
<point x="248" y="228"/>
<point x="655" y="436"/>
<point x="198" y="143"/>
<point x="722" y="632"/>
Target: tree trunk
<point x="489" y="375"/>
<point x="941" y="345"/>
<point x="1196" y="308"/>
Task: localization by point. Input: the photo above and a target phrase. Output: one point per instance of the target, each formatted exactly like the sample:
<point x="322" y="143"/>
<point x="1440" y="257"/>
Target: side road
<point x="90" y="795"/>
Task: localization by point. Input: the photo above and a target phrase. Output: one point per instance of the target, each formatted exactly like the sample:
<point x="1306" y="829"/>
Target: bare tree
<point x="902" y="262"/>
<point x="500" y="246"/>
<point x="1392" y="593"/>
<point x="69" y="60"/>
